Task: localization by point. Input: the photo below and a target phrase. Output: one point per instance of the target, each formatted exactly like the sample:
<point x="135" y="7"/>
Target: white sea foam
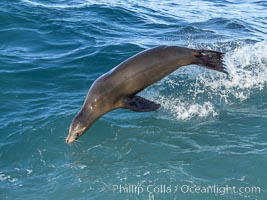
<point x="29" y="171"/>
<point x="75" y="4"/>
<point x="186" y="110"/>
<point x="58" y="5"/>
<point x="3" y="177"/>
<point x="208" y="91"/>
<point x="247" y="67"/>
<point x="10" y="179"/>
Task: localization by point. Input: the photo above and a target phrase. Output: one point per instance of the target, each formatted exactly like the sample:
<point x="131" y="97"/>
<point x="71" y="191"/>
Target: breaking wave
<point x="201" y="93"/>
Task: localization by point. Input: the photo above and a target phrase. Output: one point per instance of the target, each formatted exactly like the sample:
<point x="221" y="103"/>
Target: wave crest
<point x="58" y="5"/>
<point x="204" y="93"/>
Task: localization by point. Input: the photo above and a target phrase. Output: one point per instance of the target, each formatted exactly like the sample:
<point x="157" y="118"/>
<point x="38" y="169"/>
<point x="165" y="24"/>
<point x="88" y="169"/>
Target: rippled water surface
<point x="210" y="130"/>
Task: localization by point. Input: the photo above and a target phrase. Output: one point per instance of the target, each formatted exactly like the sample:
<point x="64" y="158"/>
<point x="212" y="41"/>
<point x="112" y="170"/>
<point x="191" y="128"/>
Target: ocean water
<point x="207" y="141"/>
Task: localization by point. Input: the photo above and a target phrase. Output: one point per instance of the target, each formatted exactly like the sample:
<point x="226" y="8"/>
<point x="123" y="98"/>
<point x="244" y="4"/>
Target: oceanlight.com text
<point x="184" y="189"/>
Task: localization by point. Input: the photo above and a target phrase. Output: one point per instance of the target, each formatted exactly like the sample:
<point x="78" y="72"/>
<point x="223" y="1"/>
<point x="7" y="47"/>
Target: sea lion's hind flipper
<point x="139" y="104"/>
<point x="210" y="59"/>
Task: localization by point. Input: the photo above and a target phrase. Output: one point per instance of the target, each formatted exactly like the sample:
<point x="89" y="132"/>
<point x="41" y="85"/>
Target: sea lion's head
<point x="78" y="126"/>
<point x="92" y="110"/>
<point x="83" y="121"/>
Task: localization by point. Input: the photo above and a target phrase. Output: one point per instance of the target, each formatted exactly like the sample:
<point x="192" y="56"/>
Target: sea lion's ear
<point x="140" y="104"/>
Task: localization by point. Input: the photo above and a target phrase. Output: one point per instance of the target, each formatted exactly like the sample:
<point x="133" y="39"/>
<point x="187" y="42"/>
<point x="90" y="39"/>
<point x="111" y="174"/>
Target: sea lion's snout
<point x="75" y="131"/>
<point x="70" y="140"/>
<point x="72" y="137"/>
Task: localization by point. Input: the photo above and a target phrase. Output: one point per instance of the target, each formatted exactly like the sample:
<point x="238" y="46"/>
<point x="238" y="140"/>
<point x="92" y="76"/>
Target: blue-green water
<point x="210" y="131"/>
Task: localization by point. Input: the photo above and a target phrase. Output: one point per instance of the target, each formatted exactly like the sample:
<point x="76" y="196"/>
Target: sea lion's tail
<point x="210" y="59"/>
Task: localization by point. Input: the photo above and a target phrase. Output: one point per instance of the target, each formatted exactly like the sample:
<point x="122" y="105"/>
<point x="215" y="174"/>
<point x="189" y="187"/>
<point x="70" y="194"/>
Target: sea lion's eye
<point x="76" y="134"/>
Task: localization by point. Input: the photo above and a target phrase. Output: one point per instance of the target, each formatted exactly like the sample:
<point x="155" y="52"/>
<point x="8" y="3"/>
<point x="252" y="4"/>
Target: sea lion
<point x="118" y="87"/>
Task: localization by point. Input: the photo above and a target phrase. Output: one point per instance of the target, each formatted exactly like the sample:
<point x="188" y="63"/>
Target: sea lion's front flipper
<point x="139" y="104"/>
